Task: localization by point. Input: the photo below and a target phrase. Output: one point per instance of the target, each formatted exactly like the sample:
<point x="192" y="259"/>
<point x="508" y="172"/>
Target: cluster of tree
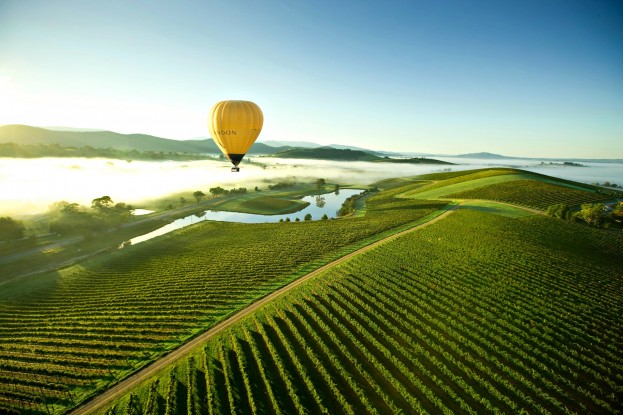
<point x="594" y="214"/>
<point x="607" y="184"/>
<point x="219" y="191"/>
<point x="11" y="229"/>
<point x="104" y="214"/>
<point x="348" y="206"/>
<point x="239" y="191"/>
<point x="55" y="150"/>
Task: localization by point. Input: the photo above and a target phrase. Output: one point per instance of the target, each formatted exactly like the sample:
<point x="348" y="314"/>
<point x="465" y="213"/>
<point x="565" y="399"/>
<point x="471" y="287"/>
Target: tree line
<point x="55" y="150"/>
<point x="11" y="229"/>
<point x="103" y="214"/>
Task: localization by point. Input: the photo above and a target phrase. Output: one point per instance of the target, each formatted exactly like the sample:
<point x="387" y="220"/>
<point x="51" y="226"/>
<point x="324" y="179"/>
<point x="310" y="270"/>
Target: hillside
<point x="413" y="160"/>
<point x="348" y="154"/>
<point x="27" y="135"/>
<point x="327" y="153"/>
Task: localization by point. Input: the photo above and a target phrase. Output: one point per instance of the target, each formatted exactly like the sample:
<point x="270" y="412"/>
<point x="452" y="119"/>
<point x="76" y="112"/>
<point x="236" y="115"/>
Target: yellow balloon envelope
<point x="234" y="126"/>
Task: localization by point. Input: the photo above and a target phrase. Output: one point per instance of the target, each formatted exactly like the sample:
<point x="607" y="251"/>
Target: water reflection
<point x="331" y="203"/>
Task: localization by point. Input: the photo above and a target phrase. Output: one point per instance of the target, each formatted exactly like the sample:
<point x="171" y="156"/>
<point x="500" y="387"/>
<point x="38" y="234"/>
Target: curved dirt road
<point x="122" y="387"/>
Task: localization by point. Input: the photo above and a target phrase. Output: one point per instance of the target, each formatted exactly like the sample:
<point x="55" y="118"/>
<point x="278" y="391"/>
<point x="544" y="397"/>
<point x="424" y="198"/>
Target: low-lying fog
<point x="29" y="186"/>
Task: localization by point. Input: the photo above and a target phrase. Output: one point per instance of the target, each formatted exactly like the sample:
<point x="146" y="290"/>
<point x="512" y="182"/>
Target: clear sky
<point x="522" y="78"/>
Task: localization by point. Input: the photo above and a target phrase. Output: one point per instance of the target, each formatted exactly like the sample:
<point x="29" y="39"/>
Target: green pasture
<point x="272" y="205"/>
<point x="266" y="202"/>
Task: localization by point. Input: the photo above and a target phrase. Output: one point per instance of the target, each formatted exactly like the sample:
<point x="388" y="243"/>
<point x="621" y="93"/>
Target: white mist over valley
<point x="29" y="186"/>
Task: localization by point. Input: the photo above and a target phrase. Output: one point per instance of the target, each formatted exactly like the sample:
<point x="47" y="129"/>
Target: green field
<point x="491" y="309"/>
<point x="444" y="320"/>
<point x="269" y="205"/>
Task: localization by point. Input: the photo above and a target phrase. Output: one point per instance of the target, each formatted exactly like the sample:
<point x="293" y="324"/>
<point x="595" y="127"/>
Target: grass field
<point x="271" y="205"/>
<point x="444" y="320"/>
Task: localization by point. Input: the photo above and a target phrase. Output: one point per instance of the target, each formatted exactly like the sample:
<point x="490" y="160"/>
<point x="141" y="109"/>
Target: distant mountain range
<point x="82" y="137"/>
<point x="76" y="137"/>
<point x="23" y="134"/>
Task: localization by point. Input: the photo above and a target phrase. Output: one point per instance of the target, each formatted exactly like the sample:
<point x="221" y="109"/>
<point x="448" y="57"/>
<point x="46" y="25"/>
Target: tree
<point x="324" y="217"/>
<point x="308" y="216"/>
<point x="121" y="213"/>
<point x="320" y="183"/>
<point x="183" y="201"/>
<point x="297" y="220"/>
<point x="560" y="210"/>
<point x="217" y="191"/>
<point x="102" y="203"/>
<point x="592" y="213"/>
<point x="73" y="218"/>
<point x="11" y="229"/>
<point x="199" y="195"/>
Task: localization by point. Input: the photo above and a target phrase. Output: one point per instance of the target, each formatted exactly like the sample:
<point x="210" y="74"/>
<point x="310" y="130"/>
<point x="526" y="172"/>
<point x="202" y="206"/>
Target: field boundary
<point x="100" y="400"/>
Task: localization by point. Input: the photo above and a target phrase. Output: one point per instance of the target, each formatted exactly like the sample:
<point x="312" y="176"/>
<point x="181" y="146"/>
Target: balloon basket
<point x="235" y="169"/>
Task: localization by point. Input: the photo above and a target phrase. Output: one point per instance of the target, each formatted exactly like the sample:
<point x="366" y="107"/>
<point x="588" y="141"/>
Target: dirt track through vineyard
<point x="133" y="380"/>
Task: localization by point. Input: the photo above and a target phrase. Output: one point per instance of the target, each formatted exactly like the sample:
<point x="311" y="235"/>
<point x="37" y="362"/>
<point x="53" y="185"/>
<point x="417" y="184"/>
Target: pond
<point x="328" y="203"/>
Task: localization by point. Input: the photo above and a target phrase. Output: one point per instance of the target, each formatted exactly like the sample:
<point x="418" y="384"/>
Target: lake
<point x="328" y="203"/>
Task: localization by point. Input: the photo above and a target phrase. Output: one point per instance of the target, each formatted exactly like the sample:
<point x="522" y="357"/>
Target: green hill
<point x="348" y="154"/>
<point x="327" y="153"/>
<point x="414" y="160"/>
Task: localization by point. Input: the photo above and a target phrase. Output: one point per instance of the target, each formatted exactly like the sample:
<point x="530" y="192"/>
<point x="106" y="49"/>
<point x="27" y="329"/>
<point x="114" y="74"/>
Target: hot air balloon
<point x="234" y="126"/>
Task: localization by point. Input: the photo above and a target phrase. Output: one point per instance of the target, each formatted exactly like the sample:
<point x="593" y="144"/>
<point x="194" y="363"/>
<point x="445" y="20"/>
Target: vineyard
<point x="67" y="335"/>
<point x="488" y="310"/>
<point x="443" y="320"/>
<point x="531" y="193"/>
<point x="505" y="185"/>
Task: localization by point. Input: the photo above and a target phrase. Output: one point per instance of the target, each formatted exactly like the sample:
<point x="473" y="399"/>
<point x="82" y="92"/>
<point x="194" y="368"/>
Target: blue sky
<point x="523" y="78"/>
